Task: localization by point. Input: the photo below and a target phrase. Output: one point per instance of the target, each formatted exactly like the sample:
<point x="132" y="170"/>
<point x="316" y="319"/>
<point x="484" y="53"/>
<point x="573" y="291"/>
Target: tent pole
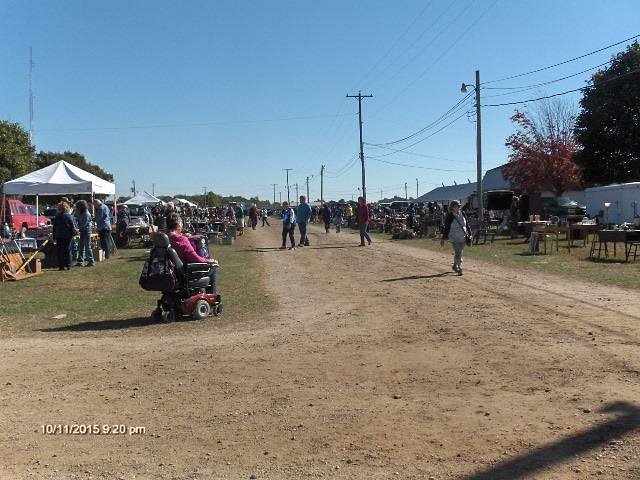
<point x="2" y="208"/>
<point x="37" y="211"/>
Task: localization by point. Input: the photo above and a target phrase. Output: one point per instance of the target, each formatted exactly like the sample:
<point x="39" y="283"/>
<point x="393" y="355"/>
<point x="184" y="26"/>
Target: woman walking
<point x="457" y="231"/>
<point x="83" y="220"/>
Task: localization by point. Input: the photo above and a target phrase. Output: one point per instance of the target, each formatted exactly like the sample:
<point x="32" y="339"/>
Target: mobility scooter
<point x="182" y="285"/>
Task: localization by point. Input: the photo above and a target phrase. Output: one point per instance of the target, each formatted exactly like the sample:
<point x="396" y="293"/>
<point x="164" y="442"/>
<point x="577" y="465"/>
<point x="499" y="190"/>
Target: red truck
<point x="14" y="212"/>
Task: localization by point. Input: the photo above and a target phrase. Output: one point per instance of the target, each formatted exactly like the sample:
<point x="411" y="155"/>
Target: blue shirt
<point x="304" y="213"/>
<point x="83" y="221"/>
<point x="103" y="219"/>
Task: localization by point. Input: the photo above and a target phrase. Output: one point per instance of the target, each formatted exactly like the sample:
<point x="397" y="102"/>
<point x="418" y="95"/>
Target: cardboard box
<point x="98" y="254"/>
<point x="35" y="266"/>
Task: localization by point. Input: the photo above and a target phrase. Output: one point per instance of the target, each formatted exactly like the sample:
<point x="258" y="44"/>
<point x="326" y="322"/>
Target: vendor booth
<point x="60" y="178"/>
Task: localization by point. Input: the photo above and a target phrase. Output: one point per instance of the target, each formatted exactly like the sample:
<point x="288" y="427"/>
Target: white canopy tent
<point x="144" y="198"/>
<point x="60" y="178"/>
<point x="183" y="201"/>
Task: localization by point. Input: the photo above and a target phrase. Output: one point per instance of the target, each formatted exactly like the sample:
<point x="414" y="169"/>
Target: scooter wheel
<point x="217" y="309"/>
<point x="201" y="310"/>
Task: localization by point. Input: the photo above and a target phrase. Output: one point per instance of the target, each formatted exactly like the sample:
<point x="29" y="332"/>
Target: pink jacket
<point x="184" y="249"/>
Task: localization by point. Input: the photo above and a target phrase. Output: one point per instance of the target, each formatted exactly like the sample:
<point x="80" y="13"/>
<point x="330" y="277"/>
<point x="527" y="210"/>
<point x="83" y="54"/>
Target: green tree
<point x="44" y="159"/>
<point x="16" y="151"/>
<point x="608" y="127"/>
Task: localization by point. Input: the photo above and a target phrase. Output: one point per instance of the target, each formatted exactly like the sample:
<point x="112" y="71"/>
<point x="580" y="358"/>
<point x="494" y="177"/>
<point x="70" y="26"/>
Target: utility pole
<point x="297" y="195"/>
<point x="134" y="187"/>
<point x="322" y="185"/>
<point x="479" y="191"/>
<point x="30" y="95"/>
<point x="153" y="189"/>
<point x="280" y="198"/>
<point x="274" y="185"/>
<point x="288" y="190"/>
<point x="308" y="199"/>
<point x="360" y="97"/>
<point x="380" y="194"/>
<point x="479" y="152"/>
<point x="417" y="189"/>
<point x="204" y="190"/>
<point x="405" y="191"/>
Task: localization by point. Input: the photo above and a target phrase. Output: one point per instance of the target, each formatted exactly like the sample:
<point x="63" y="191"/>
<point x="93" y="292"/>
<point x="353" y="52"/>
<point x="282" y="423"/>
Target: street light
<point x="464" y="89"/>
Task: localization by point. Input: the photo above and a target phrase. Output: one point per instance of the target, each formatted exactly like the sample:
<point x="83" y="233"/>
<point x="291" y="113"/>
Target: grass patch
<point x="109" y="292"/>
<point x="574" y="265"/>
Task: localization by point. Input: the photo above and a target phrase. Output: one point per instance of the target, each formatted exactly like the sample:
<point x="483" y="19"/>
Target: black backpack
<point x="158" y="274"/>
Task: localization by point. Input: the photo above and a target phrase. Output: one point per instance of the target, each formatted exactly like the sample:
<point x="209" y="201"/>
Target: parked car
<point x="400" y="205"/>
<point x="562" y="207"/>
<point x="15" y="213"/>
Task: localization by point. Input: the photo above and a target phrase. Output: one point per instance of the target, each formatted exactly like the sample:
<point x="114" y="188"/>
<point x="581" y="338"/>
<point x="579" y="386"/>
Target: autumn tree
<point x="608" y="127"/>
<point x="16" y="151"/>
<point x="542" y="150"/>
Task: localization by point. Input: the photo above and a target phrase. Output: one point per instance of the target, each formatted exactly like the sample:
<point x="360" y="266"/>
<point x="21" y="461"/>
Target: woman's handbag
<point x="467" y="238"/>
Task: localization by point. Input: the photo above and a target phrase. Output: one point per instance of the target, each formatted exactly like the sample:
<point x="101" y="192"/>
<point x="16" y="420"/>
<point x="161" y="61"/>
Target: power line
<point x="451" y="45"/>
<point x="187" y="125"/>
<point x="526" y="88"/>
<point x="425" y="138"/>
<point x="417" y="166"/>
<point x="431" y="125"/>
<point x="563" y="93"/>
<point x="562" y="63"/>
<point x="416" y="154"/>
<point x="395" y="43"/>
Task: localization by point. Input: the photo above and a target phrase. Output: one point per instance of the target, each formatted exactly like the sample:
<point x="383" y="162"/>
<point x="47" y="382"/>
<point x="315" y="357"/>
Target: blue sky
<point x="225" y="94"/>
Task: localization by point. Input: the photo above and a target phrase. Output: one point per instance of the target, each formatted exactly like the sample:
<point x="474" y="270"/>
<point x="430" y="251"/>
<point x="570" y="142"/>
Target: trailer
<point x="617" y="203"/>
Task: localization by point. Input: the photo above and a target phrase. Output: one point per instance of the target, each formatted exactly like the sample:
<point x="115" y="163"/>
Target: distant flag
<point x="443" y="184"/>
<point x="468" y="181"/>
<point x="454" y="182"/>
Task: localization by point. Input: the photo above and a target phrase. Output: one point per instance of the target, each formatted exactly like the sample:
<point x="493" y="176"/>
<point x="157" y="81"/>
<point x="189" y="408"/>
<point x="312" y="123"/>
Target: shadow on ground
<point x="105" y="325"/>
<point x="523" y="466"/>
<point x="418" y="277"/>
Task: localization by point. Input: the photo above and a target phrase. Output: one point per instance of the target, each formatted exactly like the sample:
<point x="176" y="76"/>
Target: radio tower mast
<point x="31" y="95"/>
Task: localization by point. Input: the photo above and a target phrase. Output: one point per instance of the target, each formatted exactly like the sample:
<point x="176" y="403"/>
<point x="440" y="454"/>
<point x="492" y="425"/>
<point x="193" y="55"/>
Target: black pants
<point x="288" y="230"/>
<point x="327" y="224"/>
<point x="264" y="220"/>
<point x="63" y="251"/>
<point x="304" y="240"/>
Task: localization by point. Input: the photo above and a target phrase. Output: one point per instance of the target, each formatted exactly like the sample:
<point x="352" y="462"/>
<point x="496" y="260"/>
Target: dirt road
<point x="378" y="362"/>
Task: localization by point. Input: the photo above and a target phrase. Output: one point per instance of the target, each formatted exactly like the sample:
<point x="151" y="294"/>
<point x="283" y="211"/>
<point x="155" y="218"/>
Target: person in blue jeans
<point x="103" y="224"/>
<point x="288" y="226"/>
<point x="303" y="215"/>
<point x="83" y="221"/>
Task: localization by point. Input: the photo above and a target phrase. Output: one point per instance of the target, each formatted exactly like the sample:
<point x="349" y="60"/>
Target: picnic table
<point x="630" y="238"/>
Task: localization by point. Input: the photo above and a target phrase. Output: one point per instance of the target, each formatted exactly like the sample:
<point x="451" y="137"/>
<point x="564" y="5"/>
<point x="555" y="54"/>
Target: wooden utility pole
<point x="274" y="185"/>
<point x="322" y="185"/>
<point x="360" y="97"/>
<point x="288" y="190"/>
